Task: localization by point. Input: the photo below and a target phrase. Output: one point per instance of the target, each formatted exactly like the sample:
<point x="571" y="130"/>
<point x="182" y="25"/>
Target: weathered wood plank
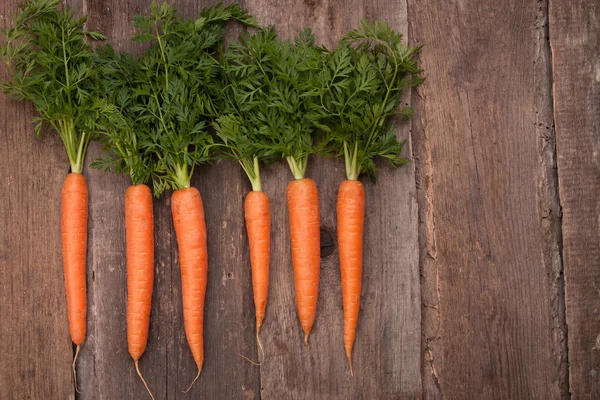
<point x="575" y="42"/>
<point x="490" y="261"/>
<point x="35" y="347"/>
<point x="386" y="354"/>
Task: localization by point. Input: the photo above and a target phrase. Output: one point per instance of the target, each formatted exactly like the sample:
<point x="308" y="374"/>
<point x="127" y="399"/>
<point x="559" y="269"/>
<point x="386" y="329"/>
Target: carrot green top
<point x="359" y="90"/>
<point x="127" y="141"/>
<point x="268" y="84"/>
<point x="176" y="85"/>
<point x="50" y="63"/>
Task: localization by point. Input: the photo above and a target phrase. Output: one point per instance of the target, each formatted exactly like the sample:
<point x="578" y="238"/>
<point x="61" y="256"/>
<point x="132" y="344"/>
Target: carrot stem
<point x="252" y="170"/>
<point x="298" y="167"/>
<point x="182" y="176"/>
<point x="351" y="160"/>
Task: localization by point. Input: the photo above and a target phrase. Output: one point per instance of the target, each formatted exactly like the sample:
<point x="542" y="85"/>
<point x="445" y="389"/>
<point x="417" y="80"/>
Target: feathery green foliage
<point x="127" y="145"/>
<point x="269" y="82"/>
<point x="50" y="63"/>
<point x="176" y="86"/>
<point x="359" y="92"/>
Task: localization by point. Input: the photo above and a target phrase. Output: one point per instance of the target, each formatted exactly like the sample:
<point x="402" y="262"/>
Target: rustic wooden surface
<point x="482" y="132"/>
<point x="575" y="33"/>
<point x="463" y="295"/>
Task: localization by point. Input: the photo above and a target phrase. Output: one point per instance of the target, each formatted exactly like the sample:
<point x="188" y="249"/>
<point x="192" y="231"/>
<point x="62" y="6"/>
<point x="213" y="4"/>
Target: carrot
<point x="268" y="115"/>
<point x="241" y="139"/>
<point x="44" y="50"/>
<point x="139" y="236"/>
<point x="303" y="206"/>
<point x="74" y="249"/>
<point x="359" y="90"/>
<point x="351" y="218"/>
<point x="178" y="133"/>
<point x="190" y="228"/>
<point x="258" y="225"/>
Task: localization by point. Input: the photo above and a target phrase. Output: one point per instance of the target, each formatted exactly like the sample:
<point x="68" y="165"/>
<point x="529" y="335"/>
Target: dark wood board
<point x="463" y="295"/>
<point x="575" y="42"/>
<point x="489" y="245"/>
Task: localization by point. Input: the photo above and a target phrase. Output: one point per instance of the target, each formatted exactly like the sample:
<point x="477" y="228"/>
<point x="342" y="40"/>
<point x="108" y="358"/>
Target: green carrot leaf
<point x="359" y="92"/>
<point x="50" y="63"/>
<point x="175" y="87"/>
<point x="266" y="97"/>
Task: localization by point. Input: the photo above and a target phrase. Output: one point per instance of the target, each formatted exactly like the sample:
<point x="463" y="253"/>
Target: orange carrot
<point x="74" y="250"/>
<point x="139" y="236"/>
<point x="258" y="225"/>
<point x="190" y="228"/>
<point x="350" y="219"/>
<point x="303" y="206"/>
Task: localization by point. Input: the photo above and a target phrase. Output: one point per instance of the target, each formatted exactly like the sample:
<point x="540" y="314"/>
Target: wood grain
<point x="463" y="290"/>
<point x="488" y="278"/>
<point x="575" y="41"/>
<point x="386" y="353"/>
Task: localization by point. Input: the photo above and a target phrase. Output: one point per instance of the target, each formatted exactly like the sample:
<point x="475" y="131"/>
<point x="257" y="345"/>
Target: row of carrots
<point x="187" y="100"/>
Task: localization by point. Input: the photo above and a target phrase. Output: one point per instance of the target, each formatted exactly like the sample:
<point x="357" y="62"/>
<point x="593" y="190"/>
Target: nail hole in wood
<point x="327" y="243"/>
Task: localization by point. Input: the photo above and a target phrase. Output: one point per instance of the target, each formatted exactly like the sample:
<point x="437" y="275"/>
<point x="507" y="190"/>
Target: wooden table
<point x="482" y="258"/>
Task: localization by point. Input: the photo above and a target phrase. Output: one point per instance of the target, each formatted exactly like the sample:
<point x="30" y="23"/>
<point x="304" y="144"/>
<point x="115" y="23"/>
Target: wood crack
<point x="549" y="206"/>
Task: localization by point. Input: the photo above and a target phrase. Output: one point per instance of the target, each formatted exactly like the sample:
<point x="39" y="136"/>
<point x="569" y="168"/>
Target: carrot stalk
<point x="139" y="236"/>
<point x="190" y="229"/>
<point x="350" y="219"/>
<point x="303" y="206"/>
<point x="74" y="249"/>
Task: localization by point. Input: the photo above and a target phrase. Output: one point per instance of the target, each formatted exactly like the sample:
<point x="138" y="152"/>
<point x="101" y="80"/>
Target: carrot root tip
<point x="262" y="351"/>
<point x="350" y="364"/>
<point x="74" y="370"/>
<point x="137" y="368"/>
<point x="260" y="346"/>
<point x="195" y="379"/>
<point x="306" y="339"/>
